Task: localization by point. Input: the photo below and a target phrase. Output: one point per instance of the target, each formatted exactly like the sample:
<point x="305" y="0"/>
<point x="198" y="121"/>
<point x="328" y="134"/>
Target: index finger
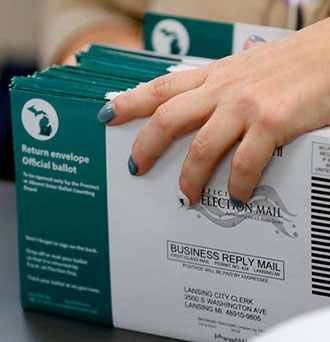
<point x="143" y="100"/>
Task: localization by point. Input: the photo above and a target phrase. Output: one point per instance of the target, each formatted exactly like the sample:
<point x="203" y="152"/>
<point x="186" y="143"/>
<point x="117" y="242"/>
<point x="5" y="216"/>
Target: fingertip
<point x="255" y="38"/>
<point x="132" y="166"/>
<point x="138" y="165"/>
<point x="190" y="192"/>
<point x="235" y="202"/>
<point x="106" y="113"/>
<point x="253" y="41"/>
<point x="239" y="193"/>
<point x="183" y="199"/>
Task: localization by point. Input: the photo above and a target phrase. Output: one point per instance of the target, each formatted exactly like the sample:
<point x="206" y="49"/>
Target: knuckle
<point x="199" y="149"/>
<point x="263" y="110"/>
<point x="248" y="98"/>
<point x="161" y="118"/>
<point x="242" y="165"/>
<point x="271" y="117"/>
<point x="159" y="87"/>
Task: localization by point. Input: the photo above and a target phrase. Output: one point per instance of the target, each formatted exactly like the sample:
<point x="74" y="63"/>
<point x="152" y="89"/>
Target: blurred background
<point x="18" y="48"/>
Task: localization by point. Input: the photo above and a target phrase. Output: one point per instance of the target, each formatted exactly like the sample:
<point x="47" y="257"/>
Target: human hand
<point x="263" y="97"/>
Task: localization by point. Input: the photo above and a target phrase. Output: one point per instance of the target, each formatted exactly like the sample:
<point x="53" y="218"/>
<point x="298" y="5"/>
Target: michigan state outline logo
<point x="171" y="37"/>
<point x="40" y="119"/>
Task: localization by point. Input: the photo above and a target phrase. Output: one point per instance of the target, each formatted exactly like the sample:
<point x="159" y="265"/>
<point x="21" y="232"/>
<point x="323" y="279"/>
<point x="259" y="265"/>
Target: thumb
<point x="253" y="41"/>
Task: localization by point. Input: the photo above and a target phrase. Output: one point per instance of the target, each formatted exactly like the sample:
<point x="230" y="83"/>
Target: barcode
<point x="320" y="227"/>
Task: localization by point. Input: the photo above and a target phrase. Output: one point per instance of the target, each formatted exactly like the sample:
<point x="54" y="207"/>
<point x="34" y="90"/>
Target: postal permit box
<point x="100" y="245"/>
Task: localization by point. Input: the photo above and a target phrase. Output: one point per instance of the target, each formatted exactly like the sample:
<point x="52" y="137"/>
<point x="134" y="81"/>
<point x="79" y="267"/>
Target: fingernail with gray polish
<point x="132" y="167"/>
<point x="235" y="202"/>
<point x="255" y="38"/>
<point x="183" y="199"/>
<point x="106" y="114"/>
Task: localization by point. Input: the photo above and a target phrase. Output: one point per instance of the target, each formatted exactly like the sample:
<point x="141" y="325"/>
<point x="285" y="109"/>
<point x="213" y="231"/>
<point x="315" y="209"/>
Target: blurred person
<point x="68" y="26"/>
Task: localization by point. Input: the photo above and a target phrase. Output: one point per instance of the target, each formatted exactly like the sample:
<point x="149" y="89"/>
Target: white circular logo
<point x="170" y="36"/>
<point x="39" y="119"/>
